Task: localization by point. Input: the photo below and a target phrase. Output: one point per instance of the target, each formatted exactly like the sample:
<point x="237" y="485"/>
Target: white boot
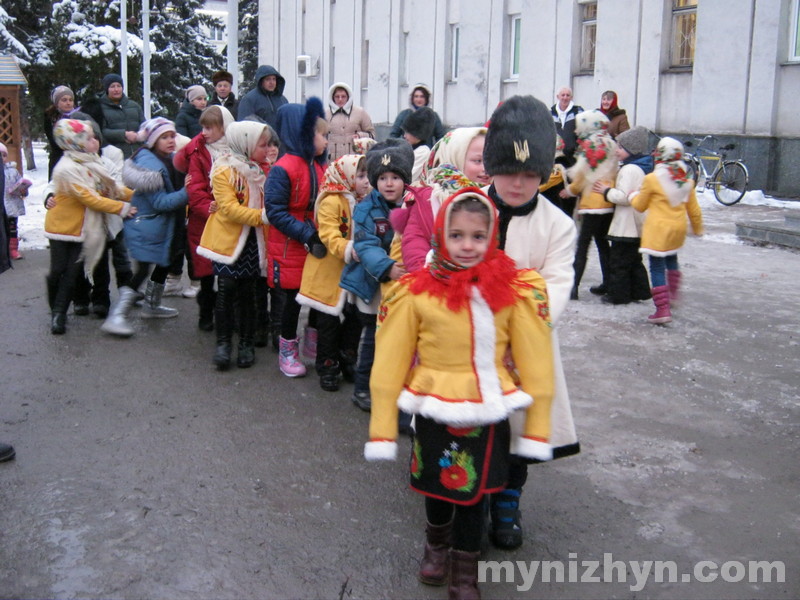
<point x="173" y="285"/>
<point x="117" y="321"/>
<point x="192" y="290"/>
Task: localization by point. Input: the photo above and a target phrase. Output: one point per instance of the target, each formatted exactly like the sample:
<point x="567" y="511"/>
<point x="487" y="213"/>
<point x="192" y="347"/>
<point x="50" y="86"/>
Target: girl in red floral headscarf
<point x="463" y="316"/>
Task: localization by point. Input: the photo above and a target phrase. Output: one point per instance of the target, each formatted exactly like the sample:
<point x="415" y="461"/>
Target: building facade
<point x="685" y="68"/>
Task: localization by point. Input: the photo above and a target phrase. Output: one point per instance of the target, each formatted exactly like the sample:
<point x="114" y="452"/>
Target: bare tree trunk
<point x="25" y="131"/>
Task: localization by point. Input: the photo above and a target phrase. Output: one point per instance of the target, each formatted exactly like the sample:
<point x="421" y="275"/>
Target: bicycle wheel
<point x="730" y="183"/>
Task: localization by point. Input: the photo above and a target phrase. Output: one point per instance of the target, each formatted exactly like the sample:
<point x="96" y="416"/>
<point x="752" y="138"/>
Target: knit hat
<point x="59" y="92"/>
<point x="589" y="122"/>
<point x="521" y="137"/>
<point x="194" y="92"/>
<point x="420" y="123"/>
<point x="152" y="129"/>
<point x="111" y="78"/>
<point x="221" y="76"/>
<point x="72" y="134"/>
<point x="634" y="140"/>
<point x="393" y="155"/>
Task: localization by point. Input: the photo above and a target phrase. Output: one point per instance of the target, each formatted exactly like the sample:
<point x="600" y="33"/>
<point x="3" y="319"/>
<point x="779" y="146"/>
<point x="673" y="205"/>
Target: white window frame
<point x="588" y="42"/>
<point x="515" y="46"/>
<point x="678" y="13"/>
<point x="794" y="34"/>
<point x="455" y="50"/>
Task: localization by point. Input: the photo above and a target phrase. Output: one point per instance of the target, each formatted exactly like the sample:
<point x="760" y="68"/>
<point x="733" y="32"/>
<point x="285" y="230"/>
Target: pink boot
<point x="13" y="247"/>
<point x="674" y="282"/>
<point x="310" y="343"/>
<point x="289" y="358"/>
<point x="661" y="300"/>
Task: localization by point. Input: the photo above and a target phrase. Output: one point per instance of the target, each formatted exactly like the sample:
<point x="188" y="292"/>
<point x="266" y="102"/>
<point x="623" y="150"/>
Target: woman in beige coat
<point x="347" y="122"/>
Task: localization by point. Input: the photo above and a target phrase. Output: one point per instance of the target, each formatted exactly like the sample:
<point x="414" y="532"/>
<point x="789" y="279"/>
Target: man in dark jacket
<point x="564" y="113"/>
<point x="223" y="96"/>
<point x="264" y="101"/>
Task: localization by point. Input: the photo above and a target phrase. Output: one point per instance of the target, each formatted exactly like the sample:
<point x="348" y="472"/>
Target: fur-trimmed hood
<point x="296" y="126"/>
<point x="142" y="178"/>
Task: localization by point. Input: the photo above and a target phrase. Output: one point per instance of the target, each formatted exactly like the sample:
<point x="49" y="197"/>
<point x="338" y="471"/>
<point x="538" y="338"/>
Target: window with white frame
<point x="684" y="32"/>
<point x="515" y="30"/>
<point x="455" y="41"/>
<point x="588" y="35"/>
<point x="216" y="33"/>
<point x="794" y="34"/>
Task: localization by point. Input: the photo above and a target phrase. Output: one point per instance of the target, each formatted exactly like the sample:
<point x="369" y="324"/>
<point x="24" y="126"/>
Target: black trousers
<point x="593" y="227"/>
<point x="65" y="269"/>
<point x="98" y="292"/>
<point x="627" y="277"/>
<point x="468" y="521"/>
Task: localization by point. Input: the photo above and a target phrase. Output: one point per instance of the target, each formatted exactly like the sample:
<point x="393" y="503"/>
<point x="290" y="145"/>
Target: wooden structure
<point x="11" y="83"/>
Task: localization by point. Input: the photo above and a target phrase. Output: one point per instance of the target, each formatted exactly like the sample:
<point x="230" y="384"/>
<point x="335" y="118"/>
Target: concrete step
<point x="782" y="233"/>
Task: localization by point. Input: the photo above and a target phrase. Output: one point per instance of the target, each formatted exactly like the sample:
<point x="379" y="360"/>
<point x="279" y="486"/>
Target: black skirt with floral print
<point x="459" y="465"/>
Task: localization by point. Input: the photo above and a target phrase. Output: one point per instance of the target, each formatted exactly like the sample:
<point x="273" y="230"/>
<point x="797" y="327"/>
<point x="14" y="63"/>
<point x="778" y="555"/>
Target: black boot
<point x="223" y="314"/>
<point x="506" y="529"/>
<point x="329" y="375"/>
<point x="58" y="323"/>
<point x="206" y="300"/>
<point x="277" y="302"/>
<point x="245" y="292"/>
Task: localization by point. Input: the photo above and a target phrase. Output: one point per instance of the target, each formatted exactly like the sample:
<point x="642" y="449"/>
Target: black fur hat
<point x="420" y="123"/>
<point x="393" y="155"/>
<point x="521" y="137"/>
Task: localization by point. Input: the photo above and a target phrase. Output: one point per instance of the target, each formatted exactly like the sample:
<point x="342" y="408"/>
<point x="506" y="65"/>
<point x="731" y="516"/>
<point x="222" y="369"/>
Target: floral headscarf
<point x="671" y="170"/>
<point x="340" y="178"/>
<point x="494" y="277"/>
<point x="243" y="136"/>
<point x="444" y="171"/>
<point x="589" y="122"/>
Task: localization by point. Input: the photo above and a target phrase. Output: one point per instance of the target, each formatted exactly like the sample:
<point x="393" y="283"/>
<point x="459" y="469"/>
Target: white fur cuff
<point x="383" y="450"/>
<point x="534" y="449"/>
<point x="264" y="218"/>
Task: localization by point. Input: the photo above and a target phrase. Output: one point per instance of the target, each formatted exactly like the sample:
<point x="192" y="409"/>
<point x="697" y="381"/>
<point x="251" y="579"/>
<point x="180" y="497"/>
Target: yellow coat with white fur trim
<point x="459" y="377"/>
<point x="227" y="229"/>
<point x="319" y="287"/>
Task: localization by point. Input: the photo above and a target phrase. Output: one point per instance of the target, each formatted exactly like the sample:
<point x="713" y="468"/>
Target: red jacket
<point x="200" y="198"/>
<point x="290" y="206"/>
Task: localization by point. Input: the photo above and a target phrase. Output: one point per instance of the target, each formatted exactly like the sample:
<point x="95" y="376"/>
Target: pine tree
<point x="248" y="44"/>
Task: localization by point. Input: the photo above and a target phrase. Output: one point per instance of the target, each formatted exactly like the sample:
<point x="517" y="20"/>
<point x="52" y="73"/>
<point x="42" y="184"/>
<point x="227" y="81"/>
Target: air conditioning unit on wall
<point x="306" y="66"/>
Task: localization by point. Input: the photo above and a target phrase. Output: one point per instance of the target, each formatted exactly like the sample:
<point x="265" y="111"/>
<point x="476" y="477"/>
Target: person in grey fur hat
<point x="389" y="166"/>
<point x="518" y="153"/>
<point x="627" y="277"/>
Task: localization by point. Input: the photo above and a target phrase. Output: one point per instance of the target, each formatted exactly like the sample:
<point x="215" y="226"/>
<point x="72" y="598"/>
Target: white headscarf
<point x="216" y="149"/>
<point x="444" y="171"/>
<point x="242" y="137"/>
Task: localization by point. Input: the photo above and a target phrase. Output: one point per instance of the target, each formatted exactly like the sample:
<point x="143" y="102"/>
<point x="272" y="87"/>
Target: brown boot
<point x="463" y="576"/>
<point x="433" y="568"/>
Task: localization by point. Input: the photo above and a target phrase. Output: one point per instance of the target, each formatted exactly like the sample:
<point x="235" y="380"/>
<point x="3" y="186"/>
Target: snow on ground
<point x="31" y="226"/>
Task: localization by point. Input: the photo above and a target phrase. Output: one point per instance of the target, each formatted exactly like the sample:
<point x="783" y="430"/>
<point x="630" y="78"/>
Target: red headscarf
<point x="495" y="276"/>
<point x="613" y="107"/>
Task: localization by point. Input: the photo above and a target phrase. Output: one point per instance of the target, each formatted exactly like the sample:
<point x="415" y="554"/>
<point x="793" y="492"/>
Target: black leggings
<point x="143" y="270"/>
<point x="467" y="521"/>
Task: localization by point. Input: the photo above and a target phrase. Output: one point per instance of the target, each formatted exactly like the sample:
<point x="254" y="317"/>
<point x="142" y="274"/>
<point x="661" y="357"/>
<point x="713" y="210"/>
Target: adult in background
<point x="618" y="120"/>
<point x="264" y="101"/>
<point x="63" y="106"/>
<point x="188" y="120"/>
<point x="346" y="122"/>
<point x="121" y="116"/>
<point x="420" y="96"/>
<point x="223" y="94"/>
<point x="564" y="112"/>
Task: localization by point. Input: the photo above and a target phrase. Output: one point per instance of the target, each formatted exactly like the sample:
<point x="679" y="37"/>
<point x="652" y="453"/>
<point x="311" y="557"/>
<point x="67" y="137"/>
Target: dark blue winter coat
<point x="260" y="103"/>
<point x="149" y="234"/>
<point x="188" y="120"/>
<point x="372" y="240"/>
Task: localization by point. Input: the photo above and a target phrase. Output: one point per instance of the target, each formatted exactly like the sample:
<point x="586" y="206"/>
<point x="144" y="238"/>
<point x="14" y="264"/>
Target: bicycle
<point x="728" y="179"/>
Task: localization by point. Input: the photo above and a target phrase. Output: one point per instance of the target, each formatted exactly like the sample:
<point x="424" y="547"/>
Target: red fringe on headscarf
<point x="496" y="279"/>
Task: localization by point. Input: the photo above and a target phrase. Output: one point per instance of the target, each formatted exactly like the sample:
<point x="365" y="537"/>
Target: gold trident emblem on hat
<point x="521" y="151"/>
<point x="386" y="160"/>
